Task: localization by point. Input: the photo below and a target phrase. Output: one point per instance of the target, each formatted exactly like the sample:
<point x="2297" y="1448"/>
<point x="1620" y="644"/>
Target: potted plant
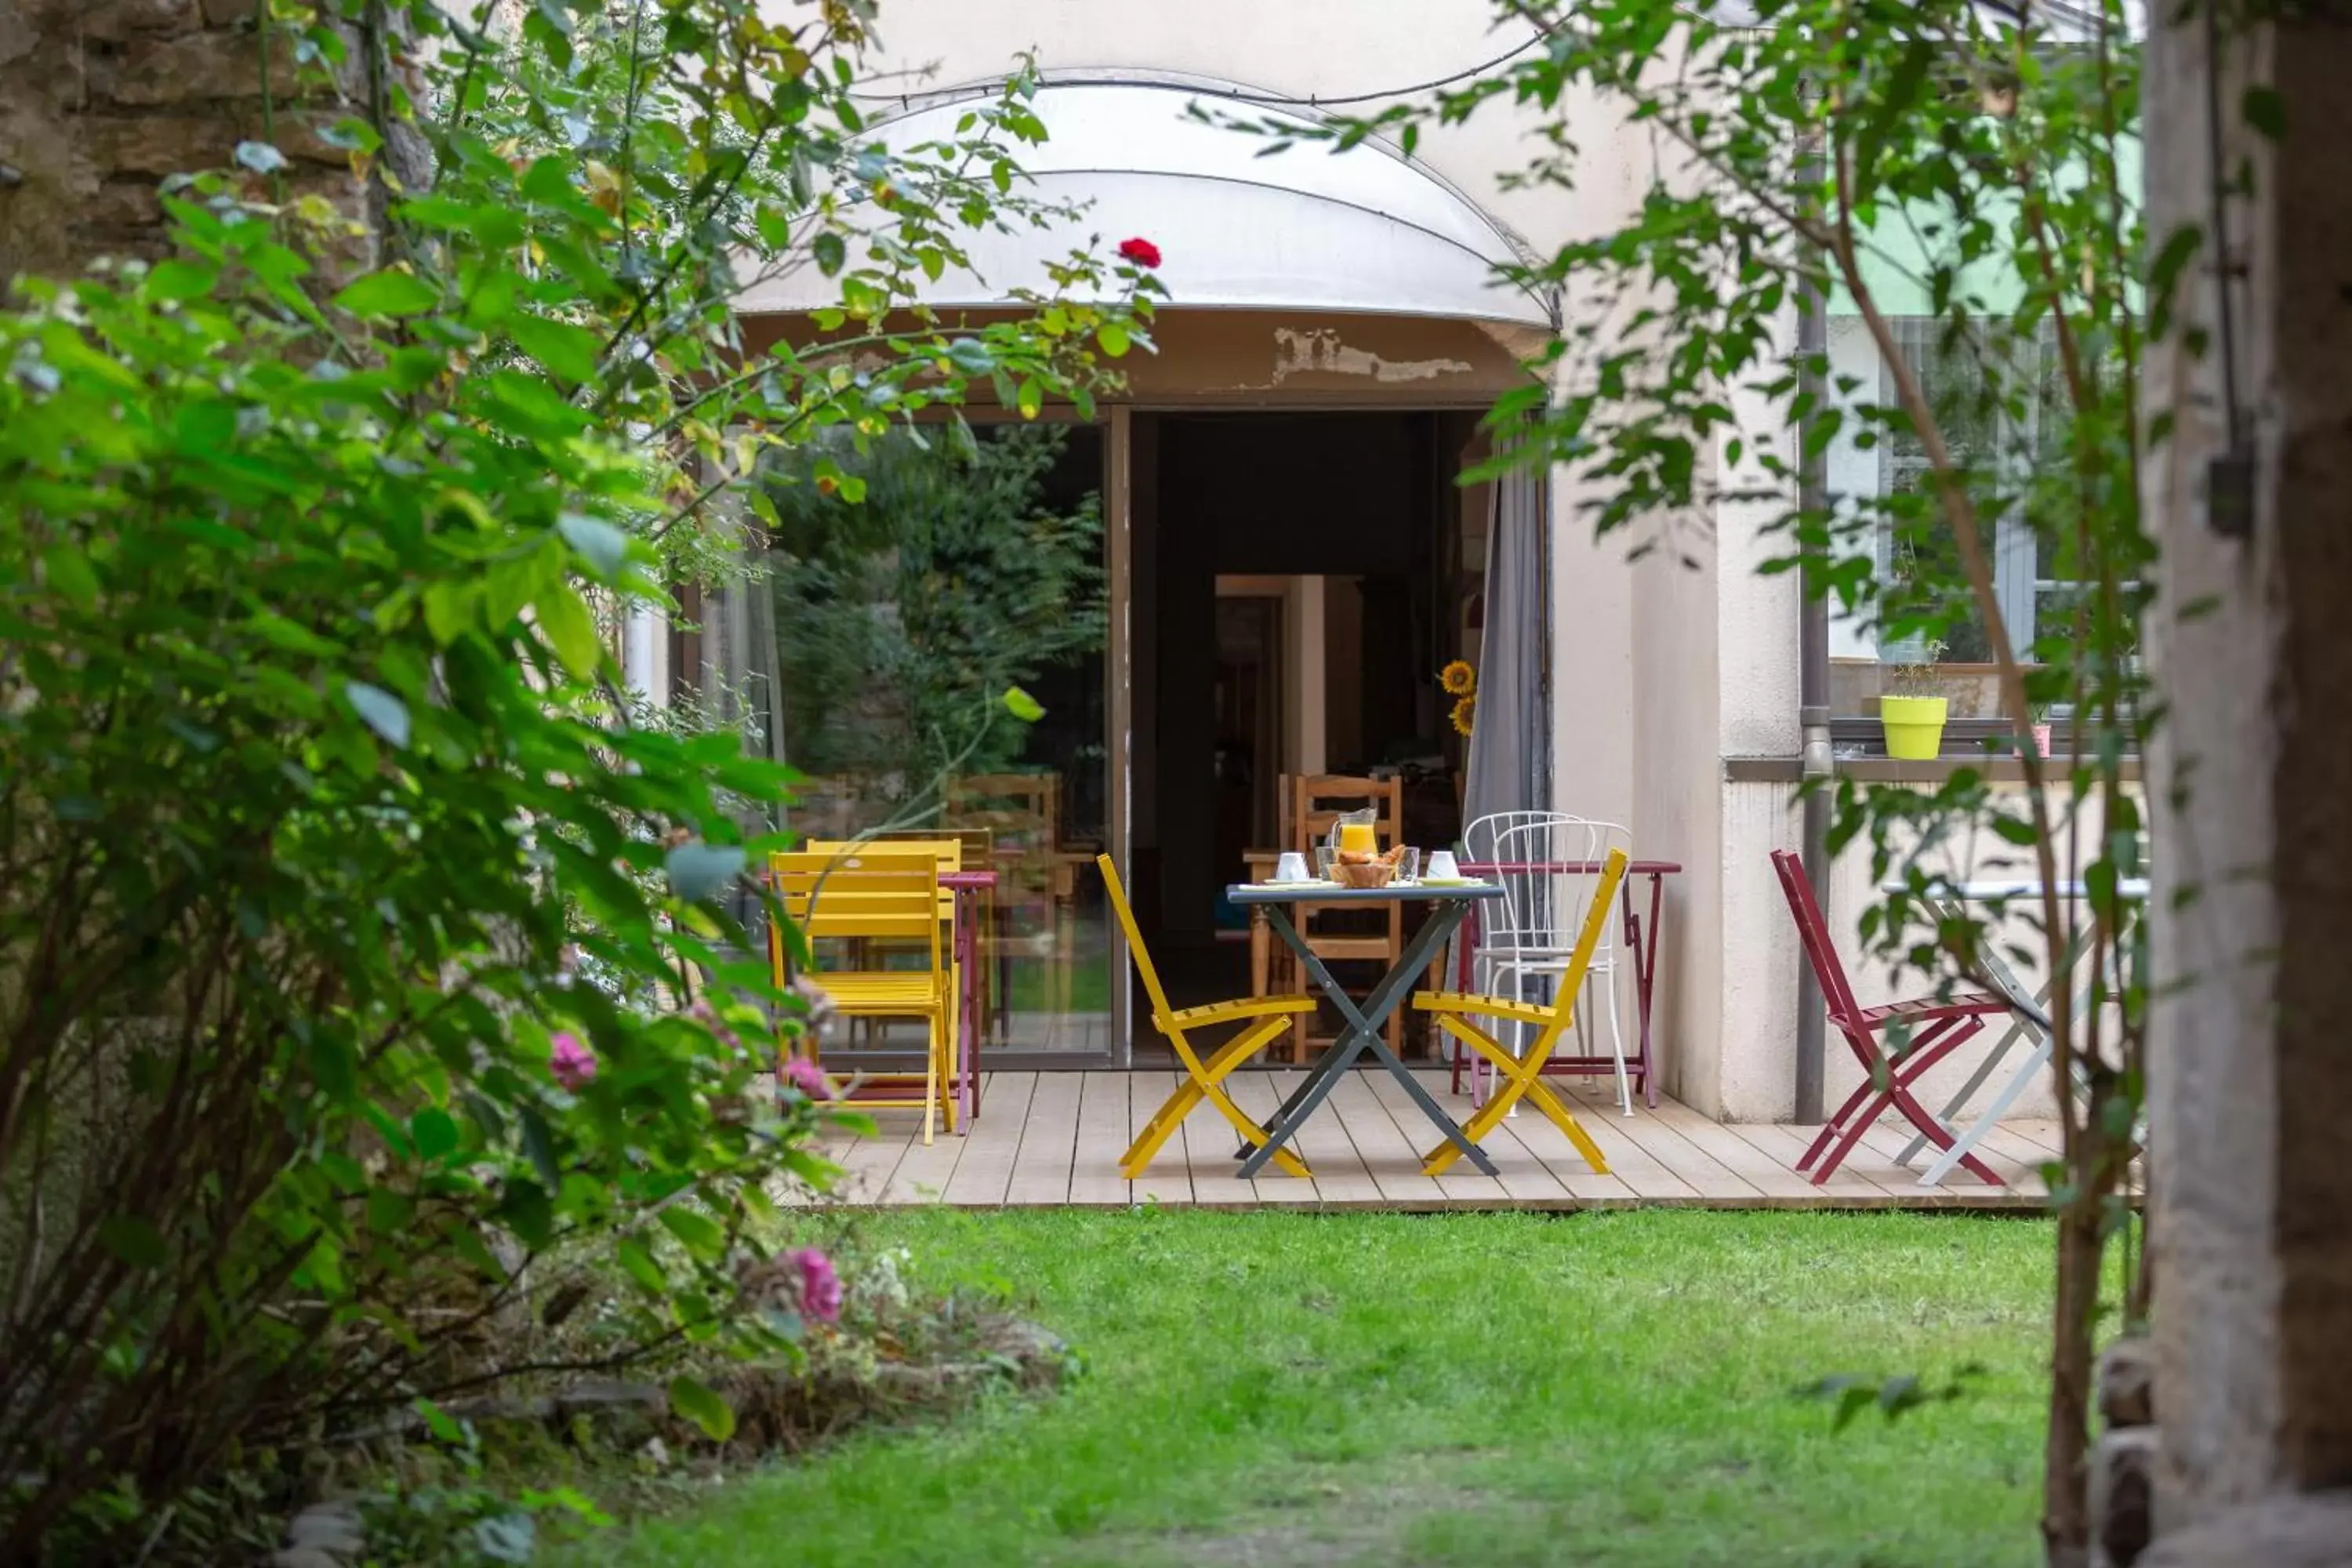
<point x="2040" y="728"/>
<point x="1911" y="711"/>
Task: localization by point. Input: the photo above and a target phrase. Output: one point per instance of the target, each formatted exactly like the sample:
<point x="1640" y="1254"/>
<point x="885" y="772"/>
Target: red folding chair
<point x="1925" y="1030"/>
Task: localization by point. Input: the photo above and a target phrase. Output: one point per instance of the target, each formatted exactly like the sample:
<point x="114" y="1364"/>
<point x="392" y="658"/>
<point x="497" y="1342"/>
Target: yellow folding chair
<point x="947" y="849"/>
<point x="1202" y="1080"/>
<point x="893" y="897"/>
<point x="1521" y="1077"/>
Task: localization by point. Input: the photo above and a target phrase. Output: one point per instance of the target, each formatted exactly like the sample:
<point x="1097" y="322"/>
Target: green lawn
<point x="1483" y="1390"/>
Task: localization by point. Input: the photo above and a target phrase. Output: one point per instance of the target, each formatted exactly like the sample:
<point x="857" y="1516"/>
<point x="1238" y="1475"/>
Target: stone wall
<point x="100" y="99"/>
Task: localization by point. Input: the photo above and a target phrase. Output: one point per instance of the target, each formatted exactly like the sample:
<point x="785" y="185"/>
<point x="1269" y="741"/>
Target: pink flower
<point x="573" y="1063"/>
<point x="804" y="1075"/>
<point x="1142" y="252"/>
<point x="820" y="1285"/>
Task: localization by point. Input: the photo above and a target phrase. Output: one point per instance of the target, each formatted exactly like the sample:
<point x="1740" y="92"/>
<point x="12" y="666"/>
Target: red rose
<point x="1142" y="252"/>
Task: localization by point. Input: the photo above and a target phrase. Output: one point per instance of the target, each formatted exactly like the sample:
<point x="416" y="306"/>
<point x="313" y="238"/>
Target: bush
<point x="308" y="778"/>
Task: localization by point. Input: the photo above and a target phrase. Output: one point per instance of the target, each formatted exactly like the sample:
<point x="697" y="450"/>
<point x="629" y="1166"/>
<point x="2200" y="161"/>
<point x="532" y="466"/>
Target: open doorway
<point x="1299" y="580"/>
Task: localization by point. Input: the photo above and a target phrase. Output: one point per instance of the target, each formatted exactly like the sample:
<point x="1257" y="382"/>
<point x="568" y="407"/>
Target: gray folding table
<point x="1450" y="903"/>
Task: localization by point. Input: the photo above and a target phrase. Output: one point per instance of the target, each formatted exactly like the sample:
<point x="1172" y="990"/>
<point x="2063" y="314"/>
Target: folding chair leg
<point x="1522" y="1077"/>
<point x="1849" y="1137"/>
<point x="1555" y="1110"/>
<point x="1617" y="1043"/>
<point x="1937" y="1133"/>
<point x="1830" y="1129"/>
<point x="1204" y="1080"/>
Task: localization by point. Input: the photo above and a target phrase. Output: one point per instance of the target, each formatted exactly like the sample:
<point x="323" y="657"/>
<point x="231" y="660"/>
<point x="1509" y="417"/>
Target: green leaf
<point x="570" y="630"/>
<point x="438" y="1421"/>
<point x="605" y="546"/>
<point x="133" y="1240"/>
<point x="703" y="1236"/>
<point x="388" y="1212"/>
<point x="449" y="611"/>
<point x="435" y="1132"/>
<point x="2265" y="109"/>
<point x="570" y="352"/>
<point x="539" y="1144"/>
<point x="697" y="870"/>
<point x="971" y="356"/>
<point x="700" y="1405"/>
<point x="637" y="1258"/>
<point x="260" y="157"/>
<point x="529" y="1210"/>
<point x="830" y="251"/>
<point x="1023" y="706"/>
<point x="68" y="571"/>
<point x="180" y="279"/>
<point x="1113" y="338"/>
<point x="549" y="180"/>
<point x="381" y="711"/>
<point x="390" y="293"/>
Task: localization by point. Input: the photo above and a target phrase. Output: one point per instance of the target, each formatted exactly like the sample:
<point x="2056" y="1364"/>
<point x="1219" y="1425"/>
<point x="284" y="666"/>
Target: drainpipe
<point x="1817" y="762"/>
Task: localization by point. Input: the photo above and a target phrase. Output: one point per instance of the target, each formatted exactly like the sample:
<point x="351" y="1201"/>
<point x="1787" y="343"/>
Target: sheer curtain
<point x="737" y="681"/>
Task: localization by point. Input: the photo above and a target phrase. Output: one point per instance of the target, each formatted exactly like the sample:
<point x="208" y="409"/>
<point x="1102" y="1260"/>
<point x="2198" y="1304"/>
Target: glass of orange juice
<point x="1358" y="837"/>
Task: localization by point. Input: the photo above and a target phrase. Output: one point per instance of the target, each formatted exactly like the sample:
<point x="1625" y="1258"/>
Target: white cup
<point x="1440" y="867"/>
<point x="1290" y="866"/>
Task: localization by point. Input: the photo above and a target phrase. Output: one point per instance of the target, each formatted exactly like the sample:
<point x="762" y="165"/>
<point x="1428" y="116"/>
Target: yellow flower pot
<point x="1914" y="725"/>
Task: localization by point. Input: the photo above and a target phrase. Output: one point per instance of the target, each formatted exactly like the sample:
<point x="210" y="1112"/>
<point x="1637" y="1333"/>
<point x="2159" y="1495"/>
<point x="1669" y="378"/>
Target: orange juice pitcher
<point x="1359" y="833"/>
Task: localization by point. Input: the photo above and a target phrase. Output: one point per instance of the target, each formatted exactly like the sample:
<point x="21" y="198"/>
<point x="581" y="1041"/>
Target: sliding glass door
<point x="924" y="639"/>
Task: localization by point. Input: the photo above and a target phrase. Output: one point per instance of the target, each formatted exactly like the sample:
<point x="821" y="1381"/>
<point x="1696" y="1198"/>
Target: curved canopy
<point x="1359" y="231"/>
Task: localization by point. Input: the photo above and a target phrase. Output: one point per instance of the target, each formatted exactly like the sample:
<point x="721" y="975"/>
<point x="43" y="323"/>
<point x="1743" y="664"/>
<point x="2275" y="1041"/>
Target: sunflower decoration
<point x="1458" y="679"/>
<point x="1465" y="714"/>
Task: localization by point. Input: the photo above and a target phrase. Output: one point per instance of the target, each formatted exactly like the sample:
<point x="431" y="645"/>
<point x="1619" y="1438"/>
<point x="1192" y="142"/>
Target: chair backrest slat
<point x="1814" y="932"/>
<point x="879" y="895"/>
<point x="946" y="849"/>
<point x="1116" y="891"/>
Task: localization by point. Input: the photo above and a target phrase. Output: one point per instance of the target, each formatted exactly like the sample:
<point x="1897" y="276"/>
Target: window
<point x="2004" y="444"/>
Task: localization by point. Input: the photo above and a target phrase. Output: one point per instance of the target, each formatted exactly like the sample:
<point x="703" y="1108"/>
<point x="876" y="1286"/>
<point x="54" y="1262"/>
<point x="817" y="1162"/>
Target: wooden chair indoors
<point x="1205" y="1078"/>
<point x="879" y="898"/>
<point x="1336" y="932"/>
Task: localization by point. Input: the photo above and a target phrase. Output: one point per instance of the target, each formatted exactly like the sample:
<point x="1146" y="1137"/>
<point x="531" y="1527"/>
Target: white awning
<point x="1364" y="230"/>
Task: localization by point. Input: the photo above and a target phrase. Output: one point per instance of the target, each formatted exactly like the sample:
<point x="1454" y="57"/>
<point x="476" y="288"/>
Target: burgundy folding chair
<point x="1931" y="1027"/>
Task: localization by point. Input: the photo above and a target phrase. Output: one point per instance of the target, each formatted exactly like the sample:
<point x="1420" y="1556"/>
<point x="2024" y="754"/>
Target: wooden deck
<point x="1053" y="1139"/>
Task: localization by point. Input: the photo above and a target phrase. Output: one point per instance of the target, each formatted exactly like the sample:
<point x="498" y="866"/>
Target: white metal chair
<point x="1551" y="865"/>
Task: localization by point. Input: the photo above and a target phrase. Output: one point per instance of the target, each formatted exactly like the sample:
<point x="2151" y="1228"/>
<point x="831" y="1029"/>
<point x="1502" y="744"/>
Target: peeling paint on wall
<point x="1300" y="353"/>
